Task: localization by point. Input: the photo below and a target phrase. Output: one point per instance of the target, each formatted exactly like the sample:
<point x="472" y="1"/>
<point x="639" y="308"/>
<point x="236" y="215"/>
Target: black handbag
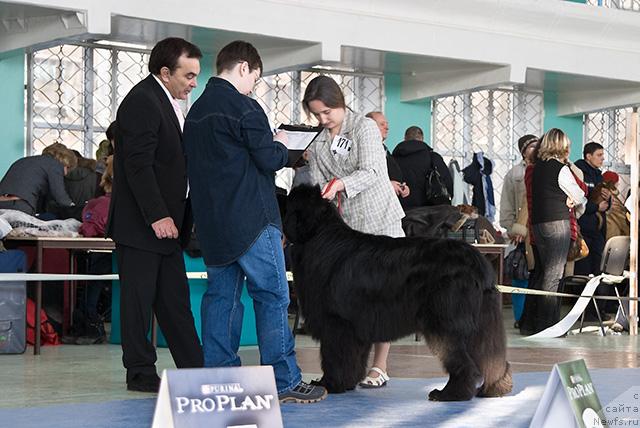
<point x="435" y="190"/>
<point x="516" y="263"/>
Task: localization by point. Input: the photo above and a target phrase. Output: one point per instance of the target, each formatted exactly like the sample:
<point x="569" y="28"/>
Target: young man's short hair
<point x="414" y="133"/>
<point x="590" y="149"/>
<point x="237" y="52"/>
<point x="167" y="52"/>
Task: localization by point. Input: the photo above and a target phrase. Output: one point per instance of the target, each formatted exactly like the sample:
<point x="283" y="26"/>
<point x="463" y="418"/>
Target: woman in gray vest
<point x="553" y="191"/>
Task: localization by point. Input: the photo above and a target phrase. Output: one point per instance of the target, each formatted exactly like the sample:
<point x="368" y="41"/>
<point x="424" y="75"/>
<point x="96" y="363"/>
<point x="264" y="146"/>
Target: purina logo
<point x="221" y="388"/>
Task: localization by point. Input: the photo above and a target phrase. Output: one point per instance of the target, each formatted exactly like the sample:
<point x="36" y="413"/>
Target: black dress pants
<point x="155" y="283"/>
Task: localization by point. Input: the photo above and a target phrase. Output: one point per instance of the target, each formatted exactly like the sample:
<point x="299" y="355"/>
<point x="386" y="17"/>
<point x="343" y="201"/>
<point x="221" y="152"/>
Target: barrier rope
<point x="44" y="277"/>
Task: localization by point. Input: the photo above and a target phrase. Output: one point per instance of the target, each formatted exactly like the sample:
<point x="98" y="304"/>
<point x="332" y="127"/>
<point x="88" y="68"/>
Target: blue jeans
<point x="263" y="266"/>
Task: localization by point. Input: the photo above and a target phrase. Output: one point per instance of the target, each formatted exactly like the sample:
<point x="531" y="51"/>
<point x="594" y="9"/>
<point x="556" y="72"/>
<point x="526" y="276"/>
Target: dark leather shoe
<point x="144" y="383"/>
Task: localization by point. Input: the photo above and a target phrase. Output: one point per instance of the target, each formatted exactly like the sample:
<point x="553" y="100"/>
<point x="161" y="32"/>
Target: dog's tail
<point x="490" y="348"/>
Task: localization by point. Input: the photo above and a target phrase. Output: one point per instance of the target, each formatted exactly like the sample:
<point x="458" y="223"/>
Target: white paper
<point x="567" y="322"/>
<point x="299" y="140"/>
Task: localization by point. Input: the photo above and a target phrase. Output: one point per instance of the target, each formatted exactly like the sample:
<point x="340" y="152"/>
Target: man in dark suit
<point x="149" y="214"/>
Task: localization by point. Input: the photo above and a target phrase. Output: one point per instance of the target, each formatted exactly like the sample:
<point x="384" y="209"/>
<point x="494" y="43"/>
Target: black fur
<point x="357" y="289"/>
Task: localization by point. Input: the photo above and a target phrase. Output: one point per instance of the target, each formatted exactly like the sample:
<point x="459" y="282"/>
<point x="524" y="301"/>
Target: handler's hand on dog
<point x="338" y="186"/>
<point x="165" y="228"/>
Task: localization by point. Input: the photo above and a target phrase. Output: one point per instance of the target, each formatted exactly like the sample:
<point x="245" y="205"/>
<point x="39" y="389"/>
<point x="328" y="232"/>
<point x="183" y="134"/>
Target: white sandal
<point x="375" y="382"/>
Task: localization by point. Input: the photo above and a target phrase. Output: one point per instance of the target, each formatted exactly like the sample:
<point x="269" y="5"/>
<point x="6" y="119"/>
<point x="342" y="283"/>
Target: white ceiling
<point x="441" y="49"/>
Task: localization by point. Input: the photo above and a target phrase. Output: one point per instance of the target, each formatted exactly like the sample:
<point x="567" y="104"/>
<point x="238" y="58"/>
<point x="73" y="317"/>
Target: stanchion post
<point x="36" y="327"/>
<point x="633" y="261"/>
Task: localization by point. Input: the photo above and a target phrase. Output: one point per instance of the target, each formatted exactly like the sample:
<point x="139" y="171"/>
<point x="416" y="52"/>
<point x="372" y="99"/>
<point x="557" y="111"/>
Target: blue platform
<point x="402" y="403"/>
<point x="197" y="289"/>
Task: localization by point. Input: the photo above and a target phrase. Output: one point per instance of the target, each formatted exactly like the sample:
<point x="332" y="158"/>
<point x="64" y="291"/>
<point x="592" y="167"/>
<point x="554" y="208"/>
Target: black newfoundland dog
<point x="357" y="289"/>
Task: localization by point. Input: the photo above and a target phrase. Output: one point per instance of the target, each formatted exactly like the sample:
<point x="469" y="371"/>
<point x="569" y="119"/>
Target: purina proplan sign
<point x="233" y="397"/>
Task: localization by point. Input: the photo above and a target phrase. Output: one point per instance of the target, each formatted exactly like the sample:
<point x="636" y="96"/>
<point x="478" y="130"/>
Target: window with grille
<point x="489" y="121"/>
<point x="73" y="92"/>
<point x="609" y="128"/>
<point x="617" y="4"/>
<point x="281" y="94"/>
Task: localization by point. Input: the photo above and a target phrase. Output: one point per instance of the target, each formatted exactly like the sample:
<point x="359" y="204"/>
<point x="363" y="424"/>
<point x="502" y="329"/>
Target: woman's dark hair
<point x="236" y="52"/>
<point x="325" y="89"/>
<point x="166" y="53"/>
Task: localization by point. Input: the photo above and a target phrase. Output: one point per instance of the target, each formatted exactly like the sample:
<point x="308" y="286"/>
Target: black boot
<point x="78" y="329"/>
<point x="94" y="335"/>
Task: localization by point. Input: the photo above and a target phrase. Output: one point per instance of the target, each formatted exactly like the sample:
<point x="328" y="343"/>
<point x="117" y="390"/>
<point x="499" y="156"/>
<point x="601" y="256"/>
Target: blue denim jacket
<point x="231" y="161"/>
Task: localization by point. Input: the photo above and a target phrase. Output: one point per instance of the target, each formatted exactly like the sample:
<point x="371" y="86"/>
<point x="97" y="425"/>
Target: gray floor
<point x="77" y="374"/>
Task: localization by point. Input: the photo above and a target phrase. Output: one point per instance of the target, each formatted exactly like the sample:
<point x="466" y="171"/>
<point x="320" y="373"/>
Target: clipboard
<point x="300" y="138"/>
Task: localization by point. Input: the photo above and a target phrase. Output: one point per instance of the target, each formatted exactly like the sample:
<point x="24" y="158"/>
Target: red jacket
<point x="94" y="216"/>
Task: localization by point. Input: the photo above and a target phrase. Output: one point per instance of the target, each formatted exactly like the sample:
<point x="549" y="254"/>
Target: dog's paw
<point x="444" y="395"/>
<point x="332" y="388"/>
<point x="318" y="382"/>
<point x="435" y="395"/>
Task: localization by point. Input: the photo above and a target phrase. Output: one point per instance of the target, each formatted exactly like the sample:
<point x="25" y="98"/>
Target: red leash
<point x="331" y="183"/>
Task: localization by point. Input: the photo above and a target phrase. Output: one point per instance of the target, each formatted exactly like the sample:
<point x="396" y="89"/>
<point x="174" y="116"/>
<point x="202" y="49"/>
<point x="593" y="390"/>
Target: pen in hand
<point x="281" y="136"/>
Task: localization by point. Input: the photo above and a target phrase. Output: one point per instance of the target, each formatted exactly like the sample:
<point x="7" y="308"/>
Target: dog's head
<point x="306" y="212"/>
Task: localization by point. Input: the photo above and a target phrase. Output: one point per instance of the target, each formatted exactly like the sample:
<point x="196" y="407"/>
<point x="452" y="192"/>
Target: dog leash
<point x="331" y="183"/>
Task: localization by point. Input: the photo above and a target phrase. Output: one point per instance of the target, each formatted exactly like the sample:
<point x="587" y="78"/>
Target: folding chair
<point x="615" y="258"/>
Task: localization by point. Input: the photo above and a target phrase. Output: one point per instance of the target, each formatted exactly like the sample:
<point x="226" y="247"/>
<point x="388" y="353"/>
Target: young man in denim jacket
<point x="232" y="156"/>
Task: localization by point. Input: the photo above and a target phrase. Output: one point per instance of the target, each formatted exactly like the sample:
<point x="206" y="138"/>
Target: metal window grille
<point x="617" y="4"/>
<point x="73" y="92"/>
<point x="281" y="94"/>
<point x="609" y="128"/>
<point x="489" y="121"/>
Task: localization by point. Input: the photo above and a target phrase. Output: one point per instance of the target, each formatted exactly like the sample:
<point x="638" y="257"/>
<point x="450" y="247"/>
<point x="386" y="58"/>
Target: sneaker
<point x="303" y="393"/>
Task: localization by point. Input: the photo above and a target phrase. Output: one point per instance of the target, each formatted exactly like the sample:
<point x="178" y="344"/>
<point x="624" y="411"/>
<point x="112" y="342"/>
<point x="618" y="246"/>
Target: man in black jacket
<point x="148" y="214"/>
<point x="416" y="160"/>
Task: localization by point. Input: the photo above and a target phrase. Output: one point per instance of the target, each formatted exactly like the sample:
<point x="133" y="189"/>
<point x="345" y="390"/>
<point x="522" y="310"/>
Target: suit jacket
<point x="149" y="179"/>
<point x="370" y="204"/>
